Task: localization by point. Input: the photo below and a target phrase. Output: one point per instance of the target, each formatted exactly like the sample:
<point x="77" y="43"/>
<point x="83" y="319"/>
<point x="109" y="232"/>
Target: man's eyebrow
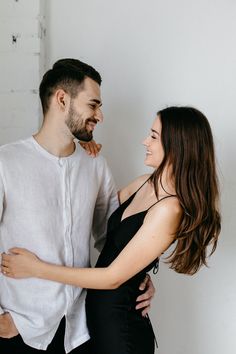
<point x="96" y="101"/>
<point x="154" y="131"/>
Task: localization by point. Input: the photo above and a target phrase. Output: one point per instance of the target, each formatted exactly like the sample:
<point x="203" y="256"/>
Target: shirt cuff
<point x="1" y="310"/>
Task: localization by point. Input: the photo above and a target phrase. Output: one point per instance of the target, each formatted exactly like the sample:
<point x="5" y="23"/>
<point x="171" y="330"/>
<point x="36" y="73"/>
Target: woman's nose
<point x="145" y="142"/>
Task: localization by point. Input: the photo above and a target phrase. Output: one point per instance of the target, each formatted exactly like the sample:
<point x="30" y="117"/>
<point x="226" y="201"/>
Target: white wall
<point x="22" y="61"/>
<point x="151" y="54"/>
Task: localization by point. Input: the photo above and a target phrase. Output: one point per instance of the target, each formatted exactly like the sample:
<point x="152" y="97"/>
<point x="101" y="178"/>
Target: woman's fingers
<point x="91" y="147"/>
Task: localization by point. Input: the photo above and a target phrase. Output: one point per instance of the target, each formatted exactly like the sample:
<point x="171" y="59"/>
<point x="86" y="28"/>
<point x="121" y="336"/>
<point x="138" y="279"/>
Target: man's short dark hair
<point x="67" y="74"/>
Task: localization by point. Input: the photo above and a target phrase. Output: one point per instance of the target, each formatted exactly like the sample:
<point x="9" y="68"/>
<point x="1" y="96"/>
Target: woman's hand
<point x="20" y="263"/>
<point x="91" y="147"/>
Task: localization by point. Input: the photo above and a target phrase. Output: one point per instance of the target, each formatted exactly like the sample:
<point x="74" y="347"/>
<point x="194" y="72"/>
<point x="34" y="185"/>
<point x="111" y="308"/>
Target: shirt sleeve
<point x="106" y="203"/>
<point x="1" y="211"/>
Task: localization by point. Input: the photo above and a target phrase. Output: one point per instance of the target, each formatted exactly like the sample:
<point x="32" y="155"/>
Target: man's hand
<point x="7" y="326"/>
<point x="91" y="147"/>
<point x="144" y="300"/>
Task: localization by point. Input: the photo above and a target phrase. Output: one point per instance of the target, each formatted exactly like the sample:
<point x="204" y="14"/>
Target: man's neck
<point x="54" y="141"/>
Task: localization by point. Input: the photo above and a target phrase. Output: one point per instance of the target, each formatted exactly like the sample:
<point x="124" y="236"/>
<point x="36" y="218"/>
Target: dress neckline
<point x="129" y="200"/>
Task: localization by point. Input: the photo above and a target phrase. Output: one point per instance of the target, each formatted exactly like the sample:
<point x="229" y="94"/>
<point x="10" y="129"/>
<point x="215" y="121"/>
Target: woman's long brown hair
<point x="188" y="147"/>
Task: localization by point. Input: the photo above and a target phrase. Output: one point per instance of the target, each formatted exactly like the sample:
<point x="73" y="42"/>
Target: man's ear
<point x="62" y="99"/>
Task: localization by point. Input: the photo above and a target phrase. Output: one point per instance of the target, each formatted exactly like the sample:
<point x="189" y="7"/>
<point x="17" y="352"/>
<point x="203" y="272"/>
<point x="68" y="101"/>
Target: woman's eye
<point x="153" y="137"/>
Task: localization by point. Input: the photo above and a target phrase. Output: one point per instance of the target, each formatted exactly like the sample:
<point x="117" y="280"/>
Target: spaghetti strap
<point x="159" y="200"/>
<point x="133" y="194"/>
<point x="142" y="185"/>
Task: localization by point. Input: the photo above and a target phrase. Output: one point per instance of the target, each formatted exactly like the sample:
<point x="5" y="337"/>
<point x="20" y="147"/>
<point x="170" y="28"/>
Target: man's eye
<point x="93" y="106"/>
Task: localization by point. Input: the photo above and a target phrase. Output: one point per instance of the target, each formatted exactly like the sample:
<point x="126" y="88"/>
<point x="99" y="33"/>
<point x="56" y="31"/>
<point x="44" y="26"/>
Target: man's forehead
<point x="90" y="84"/>
<point x="91" y="90"/>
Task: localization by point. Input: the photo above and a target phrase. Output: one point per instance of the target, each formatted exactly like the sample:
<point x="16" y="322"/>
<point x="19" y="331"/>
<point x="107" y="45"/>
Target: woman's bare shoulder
<point x="131" y="188"/>
<point x="167" y="212"/>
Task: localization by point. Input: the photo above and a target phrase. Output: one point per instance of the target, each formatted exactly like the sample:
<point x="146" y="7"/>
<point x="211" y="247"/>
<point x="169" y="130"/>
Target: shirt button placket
<point x="68" y="243"/>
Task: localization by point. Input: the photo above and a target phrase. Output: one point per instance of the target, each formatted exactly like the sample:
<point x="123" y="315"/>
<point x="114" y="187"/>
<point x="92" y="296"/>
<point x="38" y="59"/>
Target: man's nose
<point x="98" y="115"/>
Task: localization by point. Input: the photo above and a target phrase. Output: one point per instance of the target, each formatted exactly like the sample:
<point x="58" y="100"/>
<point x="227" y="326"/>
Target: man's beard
<point x="83" y="135"/>
<point x="80" y="133"/>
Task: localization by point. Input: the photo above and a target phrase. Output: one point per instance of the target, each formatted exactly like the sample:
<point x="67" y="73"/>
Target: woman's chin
<point x="148" y="163"/>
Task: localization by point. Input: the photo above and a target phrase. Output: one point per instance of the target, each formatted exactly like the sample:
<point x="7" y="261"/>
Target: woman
<point x="177" y="203"/>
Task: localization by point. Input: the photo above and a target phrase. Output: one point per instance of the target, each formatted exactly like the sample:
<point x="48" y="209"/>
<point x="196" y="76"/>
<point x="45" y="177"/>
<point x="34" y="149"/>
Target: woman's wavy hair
<point x="189" y="149"/>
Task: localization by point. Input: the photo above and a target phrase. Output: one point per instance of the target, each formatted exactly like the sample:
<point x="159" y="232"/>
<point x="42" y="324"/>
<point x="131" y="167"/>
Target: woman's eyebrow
<point x="154" y="131"/>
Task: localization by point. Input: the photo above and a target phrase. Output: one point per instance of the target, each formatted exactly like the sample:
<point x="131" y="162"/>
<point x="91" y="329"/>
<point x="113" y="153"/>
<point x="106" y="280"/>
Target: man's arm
<point x="7" y="326"/>
<point x="1" y="212"/>
<point x="106" y="203"/>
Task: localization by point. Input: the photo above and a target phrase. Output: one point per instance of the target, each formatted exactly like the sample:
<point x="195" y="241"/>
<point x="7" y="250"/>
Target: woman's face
<point x="154" y="148"/>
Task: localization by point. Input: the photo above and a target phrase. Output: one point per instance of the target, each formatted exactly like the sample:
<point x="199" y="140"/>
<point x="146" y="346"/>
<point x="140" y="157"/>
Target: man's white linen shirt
<point x="49" y="205"/>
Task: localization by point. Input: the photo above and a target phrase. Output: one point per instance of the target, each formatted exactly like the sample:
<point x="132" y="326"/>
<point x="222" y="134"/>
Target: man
<point x="51" y="195"/>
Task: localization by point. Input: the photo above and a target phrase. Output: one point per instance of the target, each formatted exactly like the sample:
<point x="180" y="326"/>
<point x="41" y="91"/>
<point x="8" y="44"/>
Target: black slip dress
<point x="115" y="326"/>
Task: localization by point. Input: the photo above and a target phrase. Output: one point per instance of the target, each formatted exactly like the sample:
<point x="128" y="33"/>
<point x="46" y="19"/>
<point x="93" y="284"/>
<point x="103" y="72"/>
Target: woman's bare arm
<point x="152" y="239"/>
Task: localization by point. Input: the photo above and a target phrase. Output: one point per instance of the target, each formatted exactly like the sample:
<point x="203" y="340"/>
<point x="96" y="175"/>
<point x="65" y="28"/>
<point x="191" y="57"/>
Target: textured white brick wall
<point x="22" y="37"/>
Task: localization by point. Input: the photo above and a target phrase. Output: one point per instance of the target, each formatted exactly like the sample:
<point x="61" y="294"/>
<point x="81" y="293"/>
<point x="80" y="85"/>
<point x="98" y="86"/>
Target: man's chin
<point x="83" y="137"/>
